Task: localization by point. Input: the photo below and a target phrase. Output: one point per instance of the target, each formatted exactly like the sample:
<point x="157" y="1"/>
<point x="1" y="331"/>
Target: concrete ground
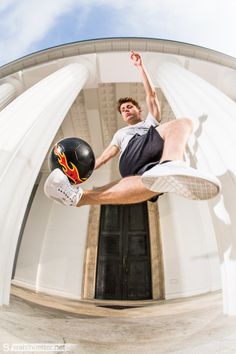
<point x="191" y="326"/>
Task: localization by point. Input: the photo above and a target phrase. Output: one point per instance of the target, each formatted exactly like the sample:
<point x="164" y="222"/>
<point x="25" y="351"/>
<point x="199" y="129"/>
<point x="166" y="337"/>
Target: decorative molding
<point x="90" y="260"/>
<point x="74" y="124"/>
<point x="158" y="290"/>
<point x="79" y="118"/>
<point x="107" y="111"/>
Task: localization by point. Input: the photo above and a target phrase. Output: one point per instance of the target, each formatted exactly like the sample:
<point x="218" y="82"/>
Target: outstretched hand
<point x="136" y="58"/>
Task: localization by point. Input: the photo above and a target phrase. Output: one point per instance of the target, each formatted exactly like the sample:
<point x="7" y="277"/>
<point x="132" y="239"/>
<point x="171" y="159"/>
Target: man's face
<point x="130" y="113"/>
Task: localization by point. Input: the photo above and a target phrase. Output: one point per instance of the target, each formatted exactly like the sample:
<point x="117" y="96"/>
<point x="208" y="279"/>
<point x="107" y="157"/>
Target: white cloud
<point x="209" y="23"/>
<point x="26" y="22"/>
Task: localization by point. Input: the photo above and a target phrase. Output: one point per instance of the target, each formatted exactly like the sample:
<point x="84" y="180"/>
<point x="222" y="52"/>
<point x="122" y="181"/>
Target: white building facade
<point x="72" y="90"/>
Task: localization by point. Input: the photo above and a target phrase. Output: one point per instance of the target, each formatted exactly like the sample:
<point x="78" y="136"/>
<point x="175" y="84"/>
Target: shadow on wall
<point x="222" y="209"/>
<point x="192" y="150"/>
<point x="202" y="119"/>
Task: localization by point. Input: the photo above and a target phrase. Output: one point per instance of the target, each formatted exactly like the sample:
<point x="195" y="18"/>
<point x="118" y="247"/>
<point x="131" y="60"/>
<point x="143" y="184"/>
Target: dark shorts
<point x="142" y="153"/>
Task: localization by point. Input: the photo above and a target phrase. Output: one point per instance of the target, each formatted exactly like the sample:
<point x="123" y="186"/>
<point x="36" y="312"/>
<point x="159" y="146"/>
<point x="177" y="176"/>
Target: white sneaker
<point x="177" y="177"/>
<point x="58" y="188"/>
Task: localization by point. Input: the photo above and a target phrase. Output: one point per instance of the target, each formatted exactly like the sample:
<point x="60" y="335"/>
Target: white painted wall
<point x="33" y="238"/>
<point x="52" y="248"/>
<point x="191" y="262"/>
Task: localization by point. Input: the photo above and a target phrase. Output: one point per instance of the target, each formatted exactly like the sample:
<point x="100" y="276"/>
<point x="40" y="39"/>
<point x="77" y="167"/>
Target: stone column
<point x="28" y="126"/>
<point x="7" y="94"/>
<point x="212" y="149"/>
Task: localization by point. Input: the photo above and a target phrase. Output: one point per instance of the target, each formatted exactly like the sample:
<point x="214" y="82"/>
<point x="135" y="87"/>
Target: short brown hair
<point x="127" y="99"/>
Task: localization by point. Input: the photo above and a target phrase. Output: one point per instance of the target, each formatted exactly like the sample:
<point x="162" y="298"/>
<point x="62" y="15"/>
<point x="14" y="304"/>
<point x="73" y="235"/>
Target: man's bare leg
<point x="175" y="176"/>
<point x="128" y="190"/>
<point x="175" y="135"/>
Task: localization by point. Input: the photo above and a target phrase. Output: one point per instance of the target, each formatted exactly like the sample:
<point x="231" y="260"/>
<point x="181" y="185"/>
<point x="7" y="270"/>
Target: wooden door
<point x="123" y="266"/>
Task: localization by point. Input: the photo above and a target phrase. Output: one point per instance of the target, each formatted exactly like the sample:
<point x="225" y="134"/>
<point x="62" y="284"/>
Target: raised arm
<point x="108" y="153"/>
<point x="151" y="97"/>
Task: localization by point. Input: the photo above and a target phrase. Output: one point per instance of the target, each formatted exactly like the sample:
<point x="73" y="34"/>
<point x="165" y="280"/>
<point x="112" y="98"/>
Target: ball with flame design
<point x="74" y="157"/>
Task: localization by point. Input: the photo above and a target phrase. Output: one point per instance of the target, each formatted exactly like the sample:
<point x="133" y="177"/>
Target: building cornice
<point x="121" y="44"/>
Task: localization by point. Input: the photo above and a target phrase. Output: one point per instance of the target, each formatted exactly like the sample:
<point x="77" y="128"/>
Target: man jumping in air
<point x="151" y="159"/>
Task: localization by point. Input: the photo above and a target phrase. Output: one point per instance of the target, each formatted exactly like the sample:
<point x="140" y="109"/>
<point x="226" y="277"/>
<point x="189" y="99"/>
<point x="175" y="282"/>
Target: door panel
<point x="123" y="267"/>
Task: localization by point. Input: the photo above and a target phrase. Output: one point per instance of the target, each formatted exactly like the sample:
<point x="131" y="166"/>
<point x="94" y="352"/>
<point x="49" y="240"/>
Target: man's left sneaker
<point x="177" y="177"/>
<point x="58" y="188"/>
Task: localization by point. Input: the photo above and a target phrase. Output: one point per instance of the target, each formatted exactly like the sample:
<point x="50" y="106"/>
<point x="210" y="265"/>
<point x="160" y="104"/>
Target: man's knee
<point x="175" y="125"/>
<point x="186" y="122"/>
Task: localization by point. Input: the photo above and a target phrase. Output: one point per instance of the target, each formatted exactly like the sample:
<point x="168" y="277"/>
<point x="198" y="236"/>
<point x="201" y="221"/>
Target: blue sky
<point x="27" y="26"/>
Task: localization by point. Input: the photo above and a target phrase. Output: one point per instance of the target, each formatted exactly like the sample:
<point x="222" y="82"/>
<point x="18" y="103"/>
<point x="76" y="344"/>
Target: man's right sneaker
<point x="58" y="188"/>
<point x="177" y="177"/>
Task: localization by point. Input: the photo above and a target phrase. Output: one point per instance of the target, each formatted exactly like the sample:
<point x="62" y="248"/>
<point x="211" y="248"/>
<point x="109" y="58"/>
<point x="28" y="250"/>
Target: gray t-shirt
<point x="122" y="137"/>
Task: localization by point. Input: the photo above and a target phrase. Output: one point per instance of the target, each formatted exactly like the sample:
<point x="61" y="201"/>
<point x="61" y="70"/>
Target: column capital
<point x="90" y="64"/>
<point x="15" y="82"/>
<point x="8" y="93"/>
<point x="154" y="64"/>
